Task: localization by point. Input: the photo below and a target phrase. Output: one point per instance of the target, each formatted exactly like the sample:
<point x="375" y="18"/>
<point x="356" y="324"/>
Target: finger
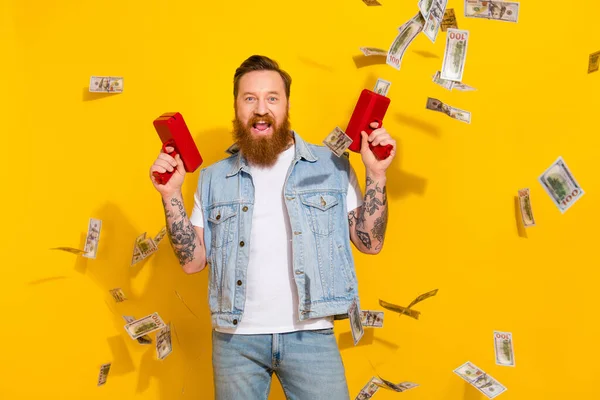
<point x="157" y="168"/>
<point x="167" y="158"/>
<point x="165" y="164"/>
<point x="364" y="140"/>
<point x="383" y="139"/>
<point x="377" y="135"/>
<point x="180" y="166"/>
<point x="374" y="124"/>
<point x="169" y="149"/>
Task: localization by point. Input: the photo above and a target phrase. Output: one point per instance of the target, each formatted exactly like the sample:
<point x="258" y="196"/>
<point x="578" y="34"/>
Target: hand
<point x="379" y="136"/>
<point x="163" y="163"/>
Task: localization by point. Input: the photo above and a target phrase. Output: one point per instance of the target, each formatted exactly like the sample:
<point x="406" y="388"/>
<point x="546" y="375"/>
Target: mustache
<point x="257" y="118"/>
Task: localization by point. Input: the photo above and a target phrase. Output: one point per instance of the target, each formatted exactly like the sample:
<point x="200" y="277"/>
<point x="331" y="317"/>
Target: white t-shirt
<point x="271" y="296"/>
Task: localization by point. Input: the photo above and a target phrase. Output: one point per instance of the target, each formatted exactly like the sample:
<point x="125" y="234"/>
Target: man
<point x="277" y="219"/>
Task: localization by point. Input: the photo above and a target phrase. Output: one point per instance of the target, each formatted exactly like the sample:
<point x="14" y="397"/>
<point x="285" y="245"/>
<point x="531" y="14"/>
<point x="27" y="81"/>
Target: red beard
<point x="262" y="151"/>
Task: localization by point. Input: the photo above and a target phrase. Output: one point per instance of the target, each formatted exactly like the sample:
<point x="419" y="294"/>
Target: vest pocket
<point x="221" y="220"/>
<point x="320" y="210"/>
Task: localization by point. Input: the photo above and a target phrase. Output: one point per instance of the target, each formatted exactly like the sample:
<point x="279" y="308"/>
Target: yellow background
<point x="69" y="155"/>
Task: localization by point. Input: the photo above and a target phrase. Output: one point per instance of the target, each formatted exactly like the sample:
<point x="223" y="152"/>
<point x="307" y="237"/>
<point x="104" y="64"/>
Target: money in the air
<point x="406" y="34"/>
<point x="118" y="295"/>
<point x="399" y="309"/>
<point x="104" y="370"/>
<point x="106" y="84"/>
<point x="525" y="206"/>
<point x="373" y="51"/>
<point x="371" y="318"/>
<point x="382" y="87"/>
<point x="355" y="325"/>
<point x="92" y="238"/>
<point x="455" y="54"/>
<point x="560" y="184"/>
<point x="372" y="2"/>
<point x="434" y="19"/>
<point x="142" y="339"/>
<point x="503" y="348"/>
<point x="145" y="325"/>
<point x="480" y="380"/>
<point x="453" y="112"/>
<point x="594" y="63"/>
<point x="369" y="389"/>
<point x="449" y="20"/>
<point x="337" y="141"/>
<point x="164" y="346"/>
<point x="497" y="10"/>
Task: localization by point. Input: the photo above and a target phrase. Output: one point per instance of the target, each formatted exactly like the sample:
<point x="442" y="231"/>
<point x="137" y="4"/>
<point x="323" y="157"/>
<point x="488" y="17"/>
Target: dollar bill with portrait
<point x="355" y="325"/>
<point x="337" y="141"/>
<point x="106" y="84"/>
<point x="560" y="184"/>
<point x="497" y="10"/>
<point x="144" y="326"/>
<point x="453" y="112"/>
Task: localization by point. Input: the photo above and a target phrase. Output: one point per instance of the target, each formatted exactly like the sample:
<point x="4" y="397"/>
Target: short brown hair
<point x="260" y="63"/>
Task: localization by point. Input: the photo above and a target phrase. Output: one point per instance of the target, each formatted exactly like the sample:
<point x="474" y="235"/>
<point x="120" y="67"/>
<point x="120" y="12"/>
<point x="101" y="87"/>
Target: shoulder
<point x="220" y="167"/>
<point x="323" y="153"/>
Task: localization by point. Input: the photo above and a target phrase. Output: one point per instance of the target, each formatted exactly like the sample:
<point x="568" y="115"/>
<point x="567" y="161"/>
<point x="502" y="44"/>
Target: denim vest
<point x="315" y="195"/>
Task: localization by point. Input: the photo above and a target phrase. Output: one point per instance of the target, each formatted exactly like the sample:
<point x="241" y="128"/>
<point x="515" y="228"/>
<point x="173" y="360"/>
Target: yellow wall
<point x="69" y="155"/>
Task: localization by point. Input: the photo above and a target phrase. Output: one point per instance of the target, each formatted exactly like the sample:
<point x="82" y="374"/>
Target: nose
<point x="261" y="108"/>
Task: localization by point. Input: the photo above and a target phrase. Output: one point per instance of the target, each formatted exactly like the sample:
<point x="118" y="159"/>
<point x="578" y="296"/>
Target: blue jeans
<point x="307" y="363"/>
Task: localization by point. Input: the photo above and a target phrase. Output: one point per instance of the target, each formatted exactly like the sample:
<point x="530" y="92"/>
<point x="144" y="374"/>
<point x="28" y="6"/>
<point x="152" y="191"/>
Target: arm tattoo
<point x="369" y="221"/>
<point x="181" y="231"/>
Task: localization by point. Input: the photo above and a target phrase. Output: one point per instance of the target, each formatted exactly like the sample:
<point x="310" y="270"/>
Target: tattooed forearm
<point x="369" y="222"/>
<point x="181" y="231"/>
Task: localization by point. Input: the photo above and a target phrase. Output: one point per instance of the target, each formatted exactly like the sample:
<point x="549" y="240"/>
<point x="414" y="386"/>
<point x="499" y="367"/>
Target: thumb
<point x="365" y="140"/>
<point x="180" y="167"/>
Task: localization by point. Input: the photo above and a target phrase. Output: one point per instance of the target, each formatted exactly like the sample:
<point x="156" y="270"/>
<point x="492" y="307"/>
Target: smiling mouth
<point x="261" y="126"/>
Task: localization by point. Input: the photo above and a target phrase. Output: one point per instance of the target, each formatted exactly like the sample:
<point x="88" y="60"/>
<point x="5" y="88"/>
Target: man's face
<point x="261" y="126"/>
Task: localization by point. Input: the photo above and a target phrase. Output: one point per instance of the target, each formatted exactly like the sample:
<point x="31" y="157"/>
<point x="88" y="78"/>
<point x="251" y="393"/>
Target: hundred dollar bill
<point x="497" y="10"/>
<point x="70" y="250"/>
<point x="503" y="347"/>
<point x="407" y="33"/>
<point x="422" y="297"/>
<point x="449" y="20"/>
<point x="455" y="54"/>
<point x="372" y="2"/>
<point x="337" y="141"/>
<point x="163" y="342"/>
<point x="104" y="369"/>
<point x="142" y="339"/>
<point x="479" y="379"/>
<point x="434" y="19"/>
<point x="525" y="205"/>
<point x="559" y="183"/>
<point x="106" y="84"/>
<point x="373" y="51"/>
<point x="452" y="112"/>
<point x="355" y="325"/>
<point x="382" y="87"/>
<point x="145" y="325"/>
<point x="399" y="309"/>
<point x="234" y="148"/>
<point x="92" y="238"/>
<point x="160" y="235"/>
<point x="369" y="389"/>
<point x="463" y="87"/>
<point x="371" y="318"/>
<point x="396" y="387"/>
<point x="445" y="83"/>
<point x="424" y="7"/>
<point x="118" y="295"/>
<point x="594" y="63"/>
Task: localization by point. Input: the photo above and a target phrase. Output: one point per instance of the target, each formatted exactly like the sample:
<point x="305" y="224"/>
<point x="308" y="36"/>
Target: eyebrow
<point x="271" y="92"/>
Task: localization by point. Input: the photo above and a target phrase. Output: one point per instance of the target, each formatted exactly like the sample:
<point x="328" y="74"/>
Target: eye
<point x="272" y="99"/>
<point x="250" y="98"/>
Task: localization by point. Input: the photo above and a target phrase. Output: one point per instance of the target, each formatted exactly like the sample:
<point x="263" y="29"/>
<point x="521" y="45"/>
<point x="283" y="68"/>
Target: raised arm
<point x="368" y="223"/>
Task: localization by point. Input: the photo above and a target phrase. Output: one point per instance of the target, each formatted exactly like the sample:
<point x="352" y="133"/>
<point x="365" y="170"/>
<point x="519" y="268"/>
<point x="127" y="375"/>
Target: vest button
<point x="242" y="243"/>
<point x="218" y="217"/>
<point x="235" y="321"/>
<point x="245" y="209"/>
<point x="298" y="272"/>
<point x="239" y="283"/>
